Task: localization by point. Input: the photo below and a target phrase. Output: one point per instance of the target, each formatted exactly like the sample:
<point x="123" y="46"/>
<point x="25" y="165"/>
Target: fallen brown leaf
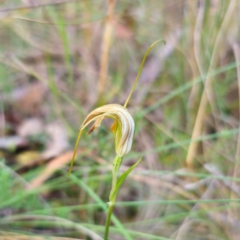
<point x="28" y="99"/>
<point x="29" y="127"/>
<point x="58" y="140"/>
<point x="53" y="166"/>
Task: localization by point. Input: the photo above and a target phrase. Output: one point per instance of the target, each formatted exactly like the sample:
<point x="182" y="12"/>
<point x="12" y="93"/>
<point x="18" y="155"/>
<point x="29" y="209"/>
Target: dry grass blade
<point x="208" y="91"/>
<point x="186" y="225"/>
<point x="53" y="166"/>
<point x="236" y="50"/>
<point x="106" y="46"/>
<point x="59" y="220"/>
<point x="196" y="63"/>
<point x="15" y="8"/>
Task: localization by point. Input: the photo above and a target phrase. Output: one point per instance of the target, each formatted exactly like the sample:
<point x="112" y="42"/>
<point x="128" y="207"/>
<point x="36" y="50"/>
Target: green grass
<point x="60" y="47"/>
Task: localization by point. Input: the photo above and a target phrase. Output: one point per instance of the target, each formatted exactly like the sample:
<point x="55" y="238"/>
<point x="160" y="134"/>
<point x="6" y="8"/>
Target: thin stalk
<point x="116" y="165"/>
<point x="75" y="150"/>
<point x="140" y="70"/>
<point x="110" y="210"/>
<point x="112" y="198"/>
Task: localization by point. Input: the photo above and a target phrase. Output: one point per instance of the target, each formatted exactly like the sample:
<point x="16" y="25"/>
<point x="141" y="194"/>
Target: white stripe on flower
<point x="124" y="125"/>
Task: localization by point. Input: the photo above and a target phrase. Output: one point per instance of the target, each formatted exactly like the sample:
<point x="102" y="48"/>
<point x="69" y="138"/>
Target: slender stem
<point x="110" y="210"/>
<point x="75" y="150"/>
<point x="140" y="70"/>
<point x="116" y="165"/>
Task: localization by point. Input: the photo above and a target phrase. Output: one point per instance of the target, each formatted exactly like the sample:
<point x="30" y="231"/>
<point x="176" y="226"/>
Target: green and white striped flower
<point x="123" y="127"/>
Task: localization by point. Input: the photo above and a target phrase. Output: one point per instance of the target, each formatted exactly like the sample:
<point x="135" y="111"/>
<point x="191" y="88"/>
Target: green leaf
<point x="121" y="179"/>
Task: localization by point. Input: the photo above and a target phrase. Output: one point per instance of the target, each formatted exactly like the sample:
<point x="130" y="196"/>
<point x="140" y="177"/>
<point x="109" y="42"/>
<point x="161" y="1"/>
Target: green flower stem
<point x="116" y="184"/>
<point x="112" y="197"/>
<point x="116" y="165"/>
<point x="110" y="210"/>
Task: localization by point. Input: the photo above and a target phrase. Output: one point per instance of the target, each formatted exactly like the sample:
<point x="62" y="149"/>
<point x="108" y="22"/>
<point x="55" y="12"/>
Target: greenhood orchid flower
<point x="123" y="126"/>
<point x="123" y="130"/>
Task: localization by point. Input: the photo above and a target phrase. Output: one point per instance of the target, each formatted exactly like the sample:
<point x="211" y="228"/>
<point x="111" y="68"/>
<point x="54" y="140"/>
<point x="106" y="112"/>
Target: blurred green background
<point x="61" y="59"/>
